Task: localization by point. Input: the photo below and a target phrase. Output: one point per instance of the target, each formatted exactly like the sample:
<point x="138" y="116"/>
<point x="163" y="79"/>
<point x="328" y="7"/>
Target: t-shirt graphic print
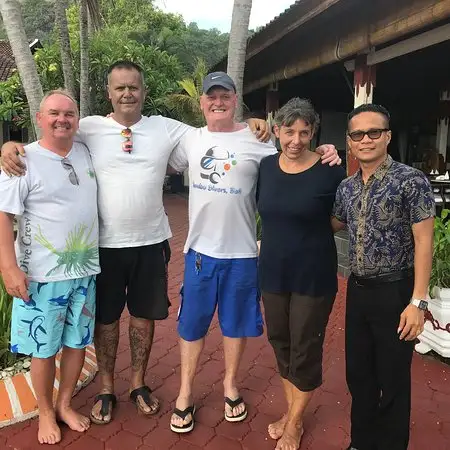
<point x="216" y="163"/>
<point x="223" y="169"/>
<point x="79" y="257"/>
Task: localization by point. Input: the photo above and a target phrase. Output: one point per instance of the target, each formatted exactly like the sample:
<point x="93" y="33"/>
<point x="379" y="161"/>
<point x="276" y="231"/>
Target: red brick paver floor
<point x="326" y="421"/>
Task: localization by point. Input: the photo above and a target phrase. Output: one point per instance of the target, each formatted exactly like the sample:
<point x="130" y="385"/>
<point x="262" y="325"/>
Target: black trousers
<point x="378" y="365"/>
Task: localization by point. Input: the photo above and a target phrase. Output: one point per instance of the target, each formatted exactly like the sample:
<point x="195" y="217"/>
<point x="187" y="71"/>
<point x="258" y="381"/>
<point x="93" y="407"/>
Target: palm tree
<point x="12" y="21"/>
<point x="237" y="48"/>
<point x="186" y="104"/>
<point x="64" y="44"/>
<point x="84" y="59"/>
<point x="90" y="19"/>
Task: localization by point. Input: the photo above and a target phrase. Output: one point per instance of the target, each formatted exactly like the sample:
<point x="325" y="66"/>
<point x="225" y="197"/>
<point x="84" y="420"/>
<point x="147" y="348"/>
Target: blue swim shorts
<point x="60" y="313"/>
<point x="232" y="285"/>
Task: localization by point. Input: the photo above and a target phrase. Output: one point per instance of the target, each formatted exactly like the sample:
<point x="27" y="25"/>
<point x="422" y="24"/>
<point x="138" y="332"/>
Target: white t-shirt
<point x="57" y="219"/>
<point x="130" y="185"/>
<point x="223" y="170"/>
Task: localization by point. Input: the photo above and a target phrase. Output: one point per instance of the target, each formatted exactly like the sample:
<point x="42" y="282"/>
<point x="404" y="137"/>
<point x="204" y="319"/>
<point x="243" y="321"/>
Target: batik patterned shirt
<point x="379" y="216"/>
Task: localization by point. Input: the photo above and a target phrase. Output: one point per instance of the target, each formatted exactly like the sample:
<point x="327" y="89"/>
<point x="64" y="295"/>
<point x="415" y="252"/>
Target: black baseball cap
<point x="218" y="79"/>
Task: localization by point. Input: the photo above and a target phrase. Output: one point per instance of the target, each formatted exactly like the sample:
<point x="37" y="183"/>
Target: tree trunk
<point x="237" y="48"/>
<point x="84" y="60"/>
<point x="64" y="45"/>
<point x="12" y="21"/>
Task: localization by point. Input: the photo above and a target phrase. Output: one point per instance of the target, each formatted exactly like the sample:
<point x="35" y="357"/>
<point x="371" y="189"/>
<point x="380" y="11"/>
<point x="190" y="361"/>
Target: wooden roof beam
<point x="419" y="42"/>
<point x="318" y="9"/>
<point x="358" y="40"/>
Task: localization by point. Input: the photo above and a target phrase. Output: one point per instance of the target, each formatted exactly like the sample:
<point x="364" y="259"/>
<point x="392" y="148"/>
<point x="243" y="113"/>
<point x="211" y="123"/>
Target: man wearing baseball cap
<point x="220" y="251"/>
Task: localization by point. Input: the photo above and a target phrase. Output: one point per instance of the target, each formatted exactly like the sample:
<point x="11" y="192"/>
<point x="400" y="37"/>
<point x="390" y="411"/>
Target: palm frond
<point x="189" y="86"/>
<point x="183" y="102"/>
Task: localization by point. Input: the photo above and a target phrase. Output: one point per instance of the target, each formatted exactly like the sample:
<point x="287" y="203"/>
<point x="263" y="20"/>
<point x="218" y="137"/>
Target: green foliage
<point x="440" y="272"/>
<point x="186" y="104"/>
<point x="210" y="45"/>
<point x="48" y="62"/>
<point x="188" y="43"/>
<point x="38" y="20"/>
<point x="142" y="22"/>
<point x="258" y="227"/>
<point x="6" y="357"/>
<point x="13" y="105"/>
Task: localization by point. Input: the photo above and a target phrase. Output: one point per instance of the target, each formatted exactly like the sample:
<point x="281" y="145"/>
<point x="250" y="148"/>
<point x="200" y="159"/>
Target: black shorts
<point x="136" y="277"/>
<point x="296" y="330"/>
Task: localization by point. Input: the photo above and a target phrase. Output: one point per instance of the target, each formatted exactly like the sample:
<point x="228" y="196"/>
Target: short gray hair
<point x="297" y="109"/>
<point x="59" y="91"/>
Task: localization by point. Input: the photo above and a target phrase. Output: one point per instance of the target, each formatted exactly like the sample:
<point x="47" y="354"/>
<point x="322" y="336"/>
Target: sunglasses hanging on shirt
<point x="127" y="146"/>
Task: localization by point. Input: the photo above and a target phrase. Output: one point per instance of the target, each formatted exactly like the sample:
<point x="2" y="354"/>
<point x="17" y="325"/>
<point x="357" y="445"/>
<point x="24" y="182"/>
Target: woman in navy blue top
<point x="298" y="262"/>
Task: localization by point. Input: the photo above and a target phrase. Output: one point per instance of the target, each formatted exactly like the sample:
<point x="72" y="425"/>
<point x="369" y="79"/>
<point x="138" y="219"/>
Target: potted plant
<point x="436" y="334"/>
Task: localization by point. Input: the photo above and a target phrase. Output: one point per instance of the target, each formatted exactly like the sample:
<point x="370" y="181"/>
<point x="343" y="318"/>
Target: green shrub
<point x="6" y="357"/>
<point x="440" y="272"/>
<point x="258" y="227"/>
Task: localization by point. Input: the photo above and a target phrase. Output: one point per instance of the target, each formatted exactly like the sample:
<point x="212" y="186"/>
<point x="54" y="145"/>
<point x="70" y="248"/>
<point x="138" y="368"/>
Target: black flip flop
<point x="232" y="404"/>
<point x="186" y="428"/>
<point x="144" y="392"/>
<point x="107" y="400"/>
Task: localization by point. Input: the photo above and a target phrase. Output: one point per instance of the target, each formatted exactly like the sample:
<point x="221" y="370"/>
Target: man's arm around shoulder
<point x="11" y="162"/>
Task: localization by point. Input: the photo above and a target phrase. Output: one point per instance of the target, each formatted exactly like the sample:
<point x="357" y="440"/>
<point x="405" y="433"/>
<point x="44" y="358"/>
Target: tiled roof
<point x="7" y="67"/>
<point x="5" y="49"/>
<point x="7" y="63"/>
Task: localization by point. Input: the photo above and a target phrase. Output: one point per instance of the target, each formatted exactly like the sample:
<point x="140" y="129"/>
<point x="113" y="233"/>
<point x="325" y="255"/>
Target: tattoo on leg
<point x="141" y="339"/>
<point x="106" y="342"/>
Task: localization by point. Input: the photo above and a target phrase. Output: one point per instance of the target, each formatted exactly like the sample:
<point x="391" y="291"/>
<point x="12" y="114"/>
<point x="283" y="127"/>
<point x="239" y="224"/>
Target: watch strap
<point x="421" y="304"/>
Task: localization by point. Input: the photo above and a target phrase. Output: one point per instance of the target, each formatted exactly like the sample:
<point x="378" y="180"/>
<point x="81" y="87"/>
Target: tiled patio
<point x="326" y="423"/>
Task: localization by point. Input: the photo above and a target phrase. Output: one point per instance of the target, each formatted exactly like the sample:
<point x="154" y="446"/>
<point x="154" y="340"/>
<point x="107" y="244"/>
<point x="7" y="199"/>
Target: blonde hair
<point x="59" y="91"/>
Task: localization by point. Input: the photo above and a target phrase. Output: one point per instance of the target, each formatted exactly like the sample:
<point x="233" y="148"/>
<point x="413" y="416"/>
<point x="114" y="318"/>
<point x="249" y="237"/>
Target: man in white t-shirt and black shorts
<point x="221" y="250"/>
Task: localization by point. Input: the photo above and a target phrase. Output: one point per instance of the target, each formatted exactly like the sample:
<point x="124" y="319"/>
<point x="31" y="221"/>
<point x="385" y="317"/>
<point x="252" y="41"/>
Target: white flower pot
<point x="436" y="333"/>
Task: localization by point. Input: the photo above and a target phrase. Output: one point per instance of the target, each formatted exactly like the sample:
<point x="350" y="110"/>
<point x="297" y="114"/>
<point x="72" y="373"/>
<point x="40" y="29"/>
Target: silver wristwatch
<point x="421" y="304"/>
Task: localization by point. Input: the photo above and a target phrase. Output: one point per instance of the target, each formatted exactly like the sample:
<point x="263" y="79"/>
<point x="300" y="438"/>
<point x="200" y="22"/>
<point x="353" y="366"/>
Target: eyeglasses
<point x="127" y="146"/>
<point x="73" y="177"/>
<point x="374" y="133"/>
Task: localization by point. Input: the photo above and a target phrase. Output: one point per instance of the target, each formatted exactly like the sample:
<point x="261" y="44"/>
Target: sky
<point x="217" y="13"/>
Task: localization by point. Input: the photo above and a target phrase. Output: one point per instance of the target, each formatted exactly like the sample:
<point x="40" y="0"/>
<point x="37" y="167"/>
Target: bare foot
<point x="276" y="429"/>
<point x="233" y="394"/>
<point x="75" y="420"/>
<point x="182" y="403"/>
<point x="290" y="440"/>
<point x="49" y="432"/>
